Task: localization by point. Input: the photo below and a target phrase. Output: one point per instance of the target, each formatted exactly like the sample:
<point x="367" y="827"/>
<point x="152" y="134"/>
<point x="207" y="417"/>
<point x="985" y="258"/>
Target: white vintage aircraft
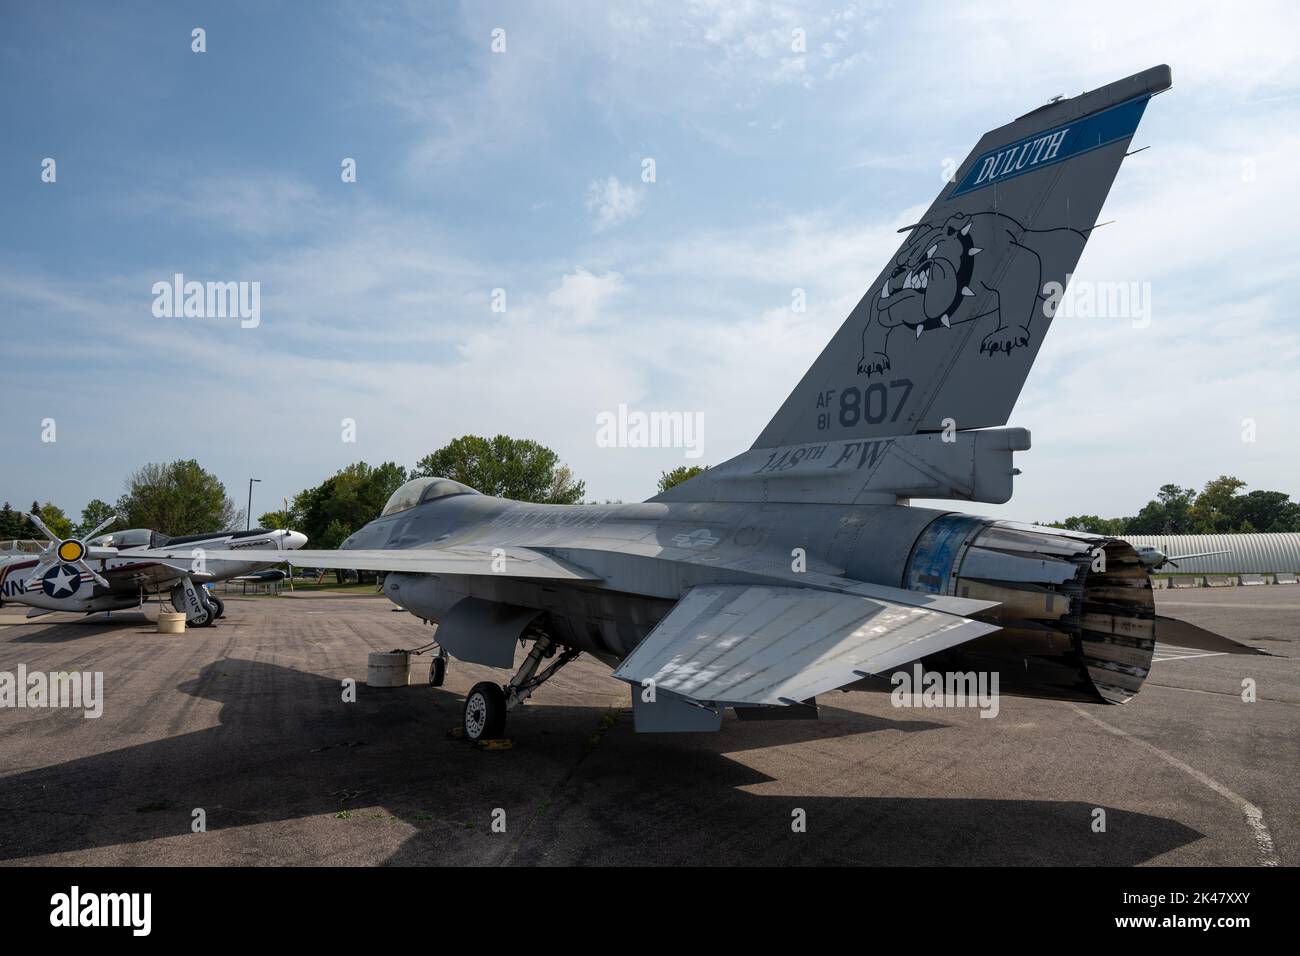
<point x="102" y="573"/>
<point x="1155" y="559"/>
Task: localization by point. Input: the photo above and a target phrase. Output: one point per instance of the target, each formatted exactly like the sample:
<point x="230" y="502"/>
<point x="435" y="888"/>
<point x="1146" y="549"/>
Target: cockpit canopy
<point x="131" y="538"/>
<point x="417" y="491"/>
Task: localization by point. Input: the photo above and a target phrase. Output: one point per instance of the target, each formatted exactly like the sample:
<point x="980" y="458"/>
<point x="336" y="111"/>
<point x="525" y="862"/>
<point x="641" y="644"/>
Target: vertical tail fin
<point x="951" y="327"/>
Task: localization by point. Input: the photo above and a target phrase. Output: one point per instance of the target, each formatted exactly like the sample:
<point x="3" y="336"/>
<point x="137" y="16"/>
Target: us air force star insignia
<point x="64" y="579"/>
<point x="700" y="538"/>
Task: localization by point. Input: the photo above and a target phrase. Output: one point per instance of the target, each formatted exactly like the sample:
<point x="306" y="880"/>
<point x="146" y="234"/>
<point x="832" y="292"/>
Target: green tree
<point x="1093" y="524"/>
<point x="54" y="519"/>
<point x="276" y="519"/>
<point x="11" y="526"/>
<point x="516" y="468"/>
<point x="345" y="501"/>
<point x="670" y="479"/>
<point x="91" y="515"/>
<point x="177" y="498"/>
<point x="1168" y="513"/>
<point x="1218" y="509"/>
<point x="1267" y="511"/>
<point x="1215" y="509"/>
<point x="335" y="533"/>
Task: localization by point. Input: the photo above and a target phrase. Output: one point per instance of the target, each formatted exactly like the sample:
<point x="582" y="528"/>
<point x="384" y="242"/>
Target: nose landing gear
<point x="438" y="669"/>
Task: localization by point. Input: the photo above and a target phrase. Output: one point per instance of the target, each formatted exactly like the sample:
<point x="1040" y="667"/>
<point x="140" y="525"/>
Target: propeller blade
<point x="35" y="519"/>
<point x="84" y="566"/>
<point x="42" y="568"/>
<point x="102" y="525"/>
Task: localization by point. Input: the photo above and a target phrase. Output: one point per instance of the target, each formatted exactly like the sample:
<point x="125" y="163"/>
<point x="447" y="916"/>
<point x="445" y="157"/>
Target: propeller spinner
<point x="67" y="551"/>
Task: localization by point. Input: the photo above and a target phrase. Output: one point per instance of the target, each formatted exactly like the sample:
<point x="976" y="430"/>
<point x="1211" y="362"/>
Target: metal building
<point x="1262" y="553"/>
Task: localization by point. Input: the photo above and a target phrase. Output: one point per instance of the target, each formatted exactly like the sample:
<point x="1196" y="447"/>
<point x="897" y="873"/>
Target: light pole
<point x="248" y="516"/>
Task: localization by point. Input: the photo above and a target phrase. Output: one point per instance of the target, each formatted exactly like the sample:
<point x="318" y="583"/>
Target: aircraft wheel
<point x="485" y="712"/>
<point x="437" y="671"/>
<point x="218" y="604"/>
<point x="205" y="620"/>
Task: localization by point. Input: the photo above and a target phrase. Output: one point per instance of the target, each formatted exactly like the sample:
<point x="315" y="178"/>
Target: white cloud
<point x="610" y="202"/>
<point x="581" y="296"/>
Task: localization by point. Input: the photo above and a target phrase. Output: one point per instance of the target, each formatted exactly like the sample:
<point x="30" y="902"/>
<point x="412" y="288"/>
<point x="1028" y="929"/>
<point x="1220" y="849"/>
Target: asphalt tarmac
<point x="245" y="728"/>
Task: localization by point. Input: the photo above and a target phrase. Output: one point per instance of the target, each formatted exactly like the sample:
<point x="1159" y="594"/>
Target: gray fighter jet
<point x="799" y="567"/>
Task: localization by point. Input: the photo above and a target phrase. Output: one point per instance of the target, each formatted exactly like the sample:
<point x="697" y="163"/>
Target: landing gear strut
<point x="190" y="601"/>
<point x="488" y="704"/>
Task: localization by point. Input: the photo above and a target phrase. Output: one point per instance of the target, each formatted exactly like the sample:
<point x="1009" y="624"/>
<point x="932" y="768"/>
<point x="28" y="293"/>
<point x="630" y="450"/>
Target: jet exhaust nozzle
<point x="1076" y="610"/>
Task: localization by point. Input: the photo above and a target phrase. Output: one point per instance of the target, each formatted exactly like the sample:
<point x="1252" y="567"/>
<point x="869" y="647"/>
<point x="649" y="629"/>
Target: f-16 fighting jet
<point x="799" y="567"/>
<point x="109" y="572"/>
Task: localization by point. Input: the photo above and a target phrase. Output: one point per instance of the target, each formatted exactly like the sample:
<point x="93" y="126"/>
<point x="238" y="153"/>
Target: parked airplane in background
<point x="1155" y="559"/>
<point x="106" y="572"/>
<point x="269" y="576"/>
<point x="799" y="567"/>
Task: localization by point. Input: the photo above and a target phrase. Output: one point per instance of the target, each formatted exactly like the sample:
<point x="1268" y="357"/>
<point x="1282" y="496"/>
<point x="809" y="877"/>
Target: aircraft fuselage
<point x="646" y="556"/>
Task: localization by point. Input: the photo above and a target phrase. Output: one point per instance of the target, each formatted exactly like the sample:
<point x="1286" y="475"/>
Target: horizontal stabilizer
<point x="965" y="466"/>
<point x="738" y="644"/>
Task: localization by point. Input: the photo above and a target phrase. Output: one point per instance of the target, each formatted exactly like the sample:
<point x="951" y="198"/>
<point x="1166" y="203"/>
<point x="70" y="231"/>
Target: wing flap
<point x="738" y="644"/>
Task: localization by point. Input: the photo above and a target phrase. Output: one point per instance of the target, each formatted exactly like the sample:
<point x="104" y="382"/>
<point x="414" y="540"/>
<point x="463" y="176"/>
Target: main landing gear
<point x="487" y="704"/>
<point x="200" y="608"/>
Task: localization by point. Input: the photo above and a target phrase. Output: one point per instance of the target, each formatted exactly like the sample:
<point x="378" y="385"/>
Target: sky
<point x="502" y="263"/>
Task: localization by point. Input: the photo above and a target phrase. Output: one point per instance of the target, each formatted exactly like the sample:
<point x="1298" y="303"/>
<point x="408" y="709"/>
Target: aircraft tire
<point x="218" y="605"/>
<point x="207" y="620"/>
<point x="485" y="712"/>
<point x="437" y="671"/>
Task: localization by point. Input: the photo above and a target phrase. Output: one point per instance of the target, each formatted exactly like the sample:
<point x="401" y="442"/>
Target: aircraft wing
<point x="744" y="644"/>
<point x="518" y="562"/>
<point x="121" y="579"/>
<point x="149" y="574"/>
<point x="1199" y="554"/>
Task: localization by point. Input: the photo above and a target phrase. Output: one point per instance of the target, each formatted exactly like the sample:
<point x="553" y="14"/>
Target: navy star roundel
<point x="61" y="581"/>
